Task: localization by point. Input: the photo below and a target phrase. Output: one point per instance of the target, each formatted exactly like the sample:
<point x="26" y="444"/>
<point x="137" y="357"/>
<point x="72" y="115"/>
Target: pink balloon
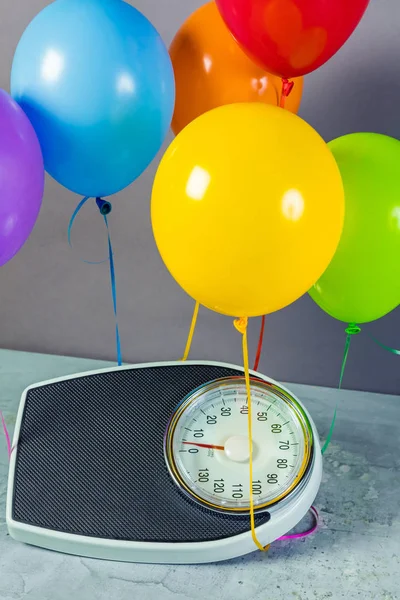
<point x="21" y="177"/>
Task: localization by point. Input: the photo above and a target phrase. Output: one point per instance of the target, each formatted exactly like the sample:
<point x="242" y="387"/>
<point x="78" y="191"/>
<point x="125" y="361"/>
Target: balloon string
<point x="287" y="87"/>
<point x="241" y="326"/>
<point x="260" y="344"/>
<point x="193" y="328"/>
<point x="70" y="225"/>
<point x="388" y="348"/>
<point x="113" y="284"/>
<point x="303" y="534"/>
<point x="7" y="436"/>
<point x="105" y="208"/>
<point x="351" y="330"/>
<point x="191" y="331"/>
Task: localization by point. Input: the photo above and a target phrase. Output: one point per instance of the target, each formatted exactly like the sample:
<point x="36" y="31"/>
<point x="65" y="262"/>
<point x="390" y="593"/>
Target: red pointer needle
<point x="205" y="445"/>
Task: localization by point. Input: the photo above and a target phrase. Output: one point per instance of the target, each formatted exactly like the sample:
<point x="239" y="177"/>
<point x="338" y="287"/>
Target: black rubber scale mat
<point x="90" y="458"/>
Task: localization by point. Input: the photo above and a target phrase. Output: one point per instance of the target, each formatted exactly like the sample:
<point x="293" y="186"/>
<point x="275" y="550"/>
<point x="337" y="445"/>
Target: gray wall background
<point x="51" y="302"/>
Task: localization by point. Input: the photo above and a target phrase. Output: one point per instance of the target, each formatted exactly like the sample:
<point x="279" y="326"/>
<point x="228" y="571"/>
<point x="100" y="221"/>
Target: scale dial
<point x="207" y="445"/>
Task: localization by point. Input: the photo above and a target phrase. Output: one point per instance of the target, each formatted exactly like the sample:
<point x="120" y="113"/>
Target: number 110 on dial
<point x="207" y="447"/>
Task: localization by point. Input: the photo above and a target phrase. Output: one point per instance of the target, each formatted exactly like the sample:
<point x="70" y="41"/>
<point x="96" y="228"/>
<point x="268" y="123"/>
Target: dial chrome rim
<point x="194" y="402"/>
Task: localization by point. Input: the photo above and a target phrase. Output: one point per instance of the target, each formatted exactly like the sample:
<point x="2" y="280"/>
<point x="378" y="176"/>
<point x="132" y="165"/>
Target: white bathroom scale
<point x="150" y="463"/>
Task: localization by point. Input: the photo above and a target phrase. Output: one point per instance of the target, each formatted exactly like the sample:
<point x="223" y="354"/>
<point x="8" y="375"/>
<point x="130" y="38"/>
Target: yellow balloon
<point x="247" y="208"/>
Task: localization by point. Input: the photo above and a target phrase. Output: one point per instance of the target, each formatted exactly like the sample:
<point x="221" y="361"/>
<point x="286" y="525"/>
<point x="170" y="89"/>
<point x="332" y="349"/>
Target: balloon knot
<point x="352" y="329"/>
<point x="241" y="324"/>
<point x="287" y="87"/>
<point x="104" y="206"/>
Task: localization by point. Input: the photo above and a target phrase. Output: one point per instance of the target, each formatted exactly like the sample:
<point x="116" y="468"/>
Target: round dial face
<point x="207" y="445"/>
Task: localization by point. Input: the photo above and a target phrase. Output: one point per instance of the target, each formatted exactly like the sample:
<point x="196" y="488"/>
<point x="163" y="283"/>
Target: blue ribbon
<point x="105" y="208"/>
<point x="71" y="222"/>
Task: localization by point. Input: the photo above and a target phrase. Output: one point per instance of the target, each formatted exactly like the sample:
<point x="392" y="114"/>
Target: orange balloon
<point x="212" y="70"/>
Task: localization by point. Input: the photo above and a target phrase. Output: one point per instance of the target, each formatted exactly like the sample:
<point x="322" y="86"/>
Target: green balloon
<point x="362" y="282"/>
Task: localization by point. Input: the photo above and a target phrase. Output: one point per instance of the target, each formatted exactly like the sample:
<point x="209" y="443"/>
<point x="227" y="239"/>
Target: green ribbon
<point x="388" y="348"/>
<point x="351" y="330"/>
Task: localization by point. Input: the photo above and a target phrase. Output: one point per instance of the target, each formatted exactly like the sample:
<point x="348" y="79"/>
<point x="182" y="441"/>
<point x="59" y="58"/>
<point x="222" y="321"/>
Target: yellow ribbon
<point x="241" y="326"/>
<point x="191" y="331"/>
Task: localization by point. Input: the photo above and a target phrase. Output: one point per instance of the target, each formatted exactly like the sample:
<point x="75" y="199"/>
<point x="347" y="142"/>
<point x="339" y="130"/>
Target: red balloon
<point x="291" y="37"/>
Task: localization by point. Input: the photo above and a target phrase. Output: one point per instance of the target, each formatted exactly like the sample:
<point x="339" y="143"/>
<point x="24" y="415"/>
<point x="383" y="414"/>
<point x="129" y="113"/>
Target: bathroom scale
<point x="150" y="463"/>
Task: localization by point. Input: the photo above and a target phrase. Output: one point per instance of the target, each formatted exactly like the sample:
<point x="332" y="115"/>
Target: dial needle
<point x="205" y="445"/>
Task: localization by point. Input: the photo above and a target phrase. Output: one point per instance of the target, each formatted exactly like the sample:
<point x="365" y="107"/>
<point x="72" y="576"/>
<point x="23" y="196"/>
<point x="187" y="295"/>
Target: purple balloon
<point x="21" y="177"/>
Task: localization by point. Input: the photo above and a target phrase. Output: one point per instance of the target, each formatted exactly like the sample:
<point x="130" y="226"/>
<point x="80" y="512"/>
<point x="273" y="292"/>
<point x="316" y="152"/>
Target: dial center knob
<point x="237" y="448"/>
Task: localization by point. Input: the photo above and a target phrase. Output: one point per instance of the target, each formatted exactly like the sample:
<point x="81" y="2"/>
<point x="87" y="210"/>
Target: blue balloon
<point x="97" y="83"/>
